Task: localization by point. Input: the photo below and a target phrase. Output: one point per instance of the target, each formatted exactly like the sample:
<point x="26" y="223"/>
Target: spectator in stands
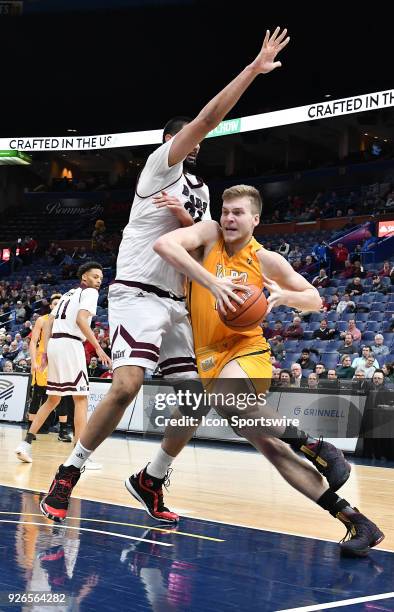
<point x="94" y="370"/>
<point x="296" y="374"/>
<point x="388" y="371"/>
<point x="20" y="312"/>
<point x="370" y="367"/>
<point x="321" y="281"/>
<point x="377" y="285"/>
<point x="13" y="352"/>
<point x="104" y="343"/>
<point x="340" y="254"/>
<point x="44" y="308"/>
<point x="309" y="266"/>
<point x="348" y="348"/>
<point x="369" y="243"/>
<point x="279" y="329"/>
<point x="360" y="363"/>
<point x="359" y="270"/>
<point x="99" y="237"/>
<point x="297" y="265"/>
<point x="348" y="271"/>
<point x="351" y="224"/>
<point x="359" y="374"/>
<point x="332" y="375"/>
<point x="284" y="247"/>
<point x="277" y="347"/>
<point x="26" y="329"/>
<point x="353" y="330"/>
<point x="4" y="355"/>
<point x="385" y="271"/>
<point x="325" y="305"/>
<point x="49" y="279"/>
<point x="379" y="348"/>
<point x="274" y="362"/>
<point x="320" y="370"/>
<point x="305" y="360"/>
<point x="295" y="253"/>
<point x="267" y="331"/>
<point x="107" y="374"/>
<point x="23" y="353"/>
<point x="275" y="377"/>
<point x="324" y="332"/>
<point x="294" y="331"/>
<point x="334" y="302"/>
<point x="284" y="378"/>
<point x="22" y="366"/>
<point x="378" y="380"/>
<point x="355" y="287"/>
<point x="313" y="380"/>
<point x="8" y="368"/>
<point x="345" y="370"/>
<point x="345" y="305"/>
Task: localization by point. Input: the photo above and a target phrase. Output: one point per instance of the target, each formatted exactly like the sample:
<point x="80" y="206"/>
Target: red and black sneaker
<point x="149" y="492"/>
<point x="330" y="461"/>
<point x="55" y="504"/>
<point x="362" y="534"/>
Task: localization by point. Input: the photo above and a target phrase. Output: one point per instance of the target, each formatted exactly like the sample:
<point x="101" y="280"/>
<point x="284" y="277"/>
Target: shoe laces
<point x="166" y="482"/>
<point x="64" y="486"/>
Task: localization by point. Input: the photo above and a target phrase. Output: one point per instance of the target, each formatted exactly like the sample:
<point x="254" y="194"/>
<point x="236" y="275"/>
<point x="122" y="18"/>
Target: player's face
<point x="238" y="220"/>
<point x="93" y="278"/>
<point x="191" y="160"/>
<point x="53" y="304"/>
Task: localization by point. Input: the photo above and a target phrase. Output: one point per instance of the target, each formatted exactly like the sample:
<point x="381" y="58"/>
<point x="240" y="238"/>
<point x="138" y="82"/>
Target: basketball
<point x="250" y="313"/>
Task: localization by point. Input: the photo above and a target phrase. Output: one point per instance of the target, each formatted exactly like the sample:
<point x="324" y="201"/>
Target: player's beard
<point x="190" y="164"/>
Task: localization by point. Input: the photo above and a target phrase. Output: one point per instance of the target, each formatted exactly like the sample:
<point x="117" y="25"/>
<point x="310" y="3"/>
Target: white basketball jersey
<point x="137" y="260"/>
<point x="69" y="305"/>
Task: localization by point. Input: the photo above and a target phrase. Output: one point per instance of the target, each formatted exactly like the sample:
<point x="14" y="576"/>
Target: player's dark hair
<point x="89" y="265"/>
<point x="55" y="296"/>
<point x="174" y="125"/>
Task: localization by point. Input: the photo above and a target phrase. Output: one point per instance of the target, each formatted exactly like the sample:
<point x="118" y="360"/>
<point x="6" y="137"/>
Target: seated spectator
<point x="360" y="363"/>
<point x="295" y="253"/>
<point x="284" y="378"/>
<point x="268" y="333"/>
<point x="313" y="380"/>
<point x="277" y="347"/>
<point x="377" y="285"/>
<point x="20" y="312"/>
<point x="378" y="381"/>
<point x="379" y="348"/>
<point x="279" y="329"/>
<point x="284" y="247"/>
<point x="321" y="281"/>
<point x="23" y="353"/>
<point x="296" y="374"/>
<point x="8" y="368"/>
<point x="345" y="305"/>
<point x="353" y="330"/>
<point x="297" y="265"/>
<point x="359" y="374"/>
<point x="388" y="371"/>
<point x="309" y="266"/>
<point x="325" y="305"/>
<point x="49" y="279"/>
<point x="348" y="271"/>
<point x="324" y="332"/>
<point x="26" y="329"/>
<point x="294" y="331"/>
<point x="355" y="287"/>
<point x="13" y="352"/>
<point x="340" y="254"/>
<point x="94" y="370"/>
<point x="274" y="362"/>
<point x="348" y="347"/>
<point x="320" y="370"/>
<point x="385" y="271"/>
<point x="305" y="360"/>
<point x="22" y="366"/>
<point x="276" y="373"/>
<point x="345" y="370"/>
<point x="370" y="367"/>
<point x="331" y="380"/>
<point x="359" y="270"/>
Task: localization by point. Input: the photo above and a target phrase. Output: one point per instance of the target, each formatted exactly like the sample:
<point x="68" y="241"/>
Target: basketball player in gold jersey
<point x="208" y="254"/>
<point x="39" y="378"/>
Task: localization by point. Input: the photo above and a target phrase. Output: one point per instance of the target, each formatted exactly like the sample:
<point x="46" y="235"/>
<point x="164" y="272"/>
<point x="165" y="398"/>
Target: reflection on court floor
<point x="106" y="557"/>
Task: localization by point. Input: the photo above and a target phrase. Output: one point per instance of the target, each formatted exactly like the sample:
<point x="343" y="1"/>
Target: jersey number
<point x="63" y="315"/>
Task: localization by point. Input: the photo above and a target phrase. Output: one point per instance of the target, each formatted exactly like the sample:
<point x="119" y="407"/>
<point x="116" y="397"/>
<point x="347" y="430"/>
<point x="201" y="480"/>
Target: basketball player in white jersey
<point x="148" y="319"/>
<point x="65" y="331"/>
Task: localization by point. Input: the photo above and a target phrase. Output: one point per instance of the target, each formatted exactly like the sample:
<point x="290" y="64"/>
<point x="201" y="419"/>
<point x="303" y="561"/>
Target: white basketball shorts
<point x="149" y="331"/>
<point x="67" y="372"/>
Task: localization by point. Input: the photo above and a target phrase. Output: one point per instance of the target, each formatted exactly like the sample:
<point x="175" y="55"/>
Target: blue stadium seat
<point x="362" y="316"/>
<point x="378" y="306"/>
<point x="373" y="326"/>
<point x="376" y="316"/>
<point x="330" y="360"/>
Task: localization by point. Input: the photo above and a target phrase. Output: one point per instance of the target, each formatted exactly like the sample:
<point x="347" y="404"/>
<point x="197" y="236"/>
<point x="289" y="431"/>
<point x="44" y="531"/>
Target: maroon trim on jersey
<point x="178" y="369"/>
<point x="149" y="288"/>
<point x="58" y="335"/>
<point x="68" y="384"/>
<point x="136" y="346"/>
<point x="152" y="194"/>
<point x="144" y="355"/>
<point x="177" y="361"/>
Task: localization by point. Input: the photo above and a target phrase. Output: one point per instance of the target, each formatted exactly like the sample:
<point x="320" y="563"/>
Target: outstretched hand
<point x="272" y="45"/>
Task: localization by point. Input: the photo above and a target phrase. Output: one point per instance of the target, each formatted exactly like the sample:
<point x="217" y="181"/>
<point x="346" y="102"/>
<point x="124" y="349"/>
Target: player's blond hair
<point x="239" y="191"/>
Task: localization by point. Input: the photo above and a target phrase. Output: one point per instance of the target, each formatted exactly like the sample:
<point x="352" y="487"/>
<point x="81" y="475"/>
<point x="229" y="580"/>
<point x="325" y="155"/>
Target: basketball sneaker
<point x="55" y="504"/>
<point x="329" y="461"/>
<point x="362" y="534"/>
<point x="64" y="436"/>
<point x="149" y="492"/>
<point x="23" y="452"/>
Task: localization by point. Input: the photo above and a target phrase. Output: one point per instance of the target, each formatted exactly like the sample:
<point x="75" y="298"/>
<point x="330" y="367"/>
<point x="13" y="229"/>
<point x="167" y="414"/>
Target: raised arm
<point x="175" y="248"/>
<point x="285" y="285"/>
<point x="213" y="113"/>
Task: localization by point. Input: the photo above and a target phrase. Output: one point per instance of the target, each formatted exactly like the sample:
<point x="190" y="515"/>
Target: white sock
<point x="160" y="464"/>
<point x="78" y="457"/>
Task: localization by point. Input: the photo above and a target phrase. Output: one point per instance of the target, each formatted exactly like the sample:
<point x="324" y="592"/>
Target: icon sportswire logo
<point x="6" y="390"/>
